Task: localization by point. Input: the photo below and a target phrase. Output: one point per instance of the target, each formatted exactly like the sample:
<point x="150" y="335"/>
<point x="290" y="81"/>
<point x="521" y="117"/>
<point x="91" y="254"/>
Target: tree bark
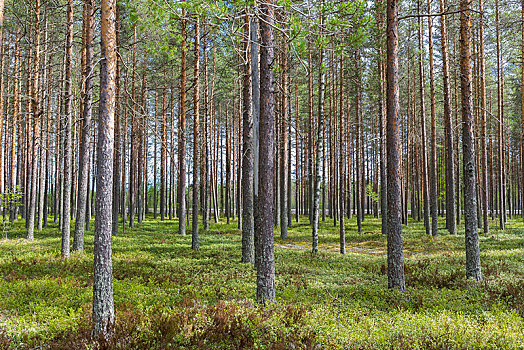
<point x="266" y="195"/>
<point x="283" y="145"/>
<point x="433" y="151"/>
<point x="36" y="114"/>
<point x="522" y="111"/>
<point x="196" y="126"/>
<point x="424" y="153"/>
<point x="319" y="142"/>
<point x="181" y="191"/>
<point x="68" y="118"/>
<point x="394" y="242"/>
<point x="448" y="128"/>
<point x="468" y="146"/>
<point x="483" y="120"/>
<point x="248" y="254"/>
<point x="103" y="307"/>
<point x="500" y="117"/>
<point x="83" y="168"/>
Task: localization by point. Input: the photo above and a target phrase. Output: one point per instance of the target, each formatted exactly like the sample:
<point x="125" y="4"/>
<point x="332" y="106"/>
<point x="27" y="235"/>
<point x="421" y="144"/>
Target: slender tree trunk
<point x="103" y="307"/>
<point x="83" y="171"/>
<point x="196" y="126"/>
<point x="500" y="117"/>
<point x="163" y="160"/>
<point x="117" y="157"/>
<point x="44" y="136"/>
<point x="182" y="132"/>
<point x="483" y="120"/>
<point x="342" y="163"/>
<point x="394" y="241"/>
<point x="433" y="151"/>
<point x="248" y="254"/>
<point x="522" y="111"/>
<point x="468" y="146"/>
<point x="319" y="141"/>
<point x="283" y="145"/>
<point x="68" y="111"/>
<point x="382" y="117"/>
<point x="155" y="154"/>
<point x="424" y="153"/>
<point x="207" y="138"/>
<point x="266" y="195"/>
<point x="358" y="153"/>
<point x="36" y="114"/>
<point x="311" y="130"/>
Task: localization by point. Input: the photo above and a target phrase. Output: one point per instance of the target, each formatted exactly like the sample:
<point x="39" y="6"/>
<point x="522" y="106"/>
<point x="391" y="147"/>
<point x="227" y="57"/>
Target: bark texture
<point x="394" y="242"/>
<point x="83" y="166"/>
<point x="103" y="307"/>
<point x="266" y="194"/>
<point x="248" y="254"/>
<point x="468" y="146"/>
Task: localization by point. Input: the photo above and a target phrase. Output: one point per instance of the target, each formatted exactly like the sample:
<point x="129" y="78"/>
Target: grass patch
<point x="170" y="297"/>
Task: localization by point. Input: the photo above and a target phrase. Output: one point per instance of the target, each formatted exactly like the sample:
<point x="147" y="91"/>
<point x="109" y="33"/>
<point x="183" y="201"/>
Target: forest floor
<point x="168" y="296"/>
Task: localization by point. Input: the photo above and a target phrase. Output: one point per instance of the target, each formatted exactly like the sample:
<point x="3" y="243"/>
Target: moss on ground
<point x="168" y="296"/>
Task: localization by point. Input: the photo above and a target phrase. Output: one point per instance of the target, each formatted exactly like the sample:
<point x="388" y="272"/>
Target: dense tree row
<point x="265" y="114"/>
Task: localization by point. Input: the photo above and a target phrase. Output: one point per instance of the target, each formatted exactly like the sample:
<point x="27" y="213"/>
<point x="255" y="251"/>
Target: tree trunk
<point x="68" y="111"/>
<point x="103" y="307"/>
<point x="196" y="165"/>
<point x="483" y="120"/>
<point x="83" y="168"/>
<point x="448" y="128"/>
<point x="36" y="114"/>
<point x="500" y="117"/>
<point x="248" y="255"/>
<point x="433" y="151"/>
<point x="394" y="241"/>
<point x="342" y="162"/>
<point x="284" y="144"/>
<point x="424" y="153"/>
<point x="358" y="147"/>
<point x="468" y="146"/>
<point x="522" y="112"/>
<point x="266" y="195"/>
<point x="182" y="132"/>
<point x="319" y="142"/>
<point x="207" y="138"/>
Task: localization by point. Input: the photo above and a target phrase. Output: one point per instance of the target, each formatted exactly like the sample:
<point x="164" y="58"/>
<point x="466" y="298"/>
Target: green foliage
<point x="10" y="199"/>
<point x="371" y="193"/>
<point x="168" y="296"/>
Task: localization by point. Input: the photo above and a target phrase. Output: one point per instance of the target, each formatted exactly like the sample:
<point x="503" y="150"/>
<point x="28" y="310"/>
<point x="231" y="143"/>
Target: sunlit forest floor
<point x="168" y="296"/>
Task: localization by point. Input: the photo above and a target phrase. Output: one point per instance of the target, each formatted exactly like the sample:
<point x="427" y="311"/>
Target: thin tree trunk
<point x="319" y="141"/>
<point x="36" y="114"/>
<point x="522" y="112"/>
<point x="483" y="116"/>
<point x="103" y="306"/>
<point x="500" y="117"/>
<point x="83" y="173"/>
<point x="342" y="163"/>
<point x="283" y="145"/>
<point x="248" y="254"/>
<point x="181" y="192"/>
<point x="207" y="138"/>
<point x="117" y="157"/>
<point x="433" y="150"/>
<point x="266" y="196"/>
<point x="468" y="146"/>
<point x="394" y="240"/>
<point x="196" y="126"/>
<point x="68" y="117"/>
<point x="424" y="153"/>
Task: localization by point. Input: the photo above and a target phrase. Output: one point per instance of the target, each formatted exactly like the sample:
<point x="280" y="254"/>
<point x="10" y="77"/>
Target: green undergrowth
<point x="170" y="297"/>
